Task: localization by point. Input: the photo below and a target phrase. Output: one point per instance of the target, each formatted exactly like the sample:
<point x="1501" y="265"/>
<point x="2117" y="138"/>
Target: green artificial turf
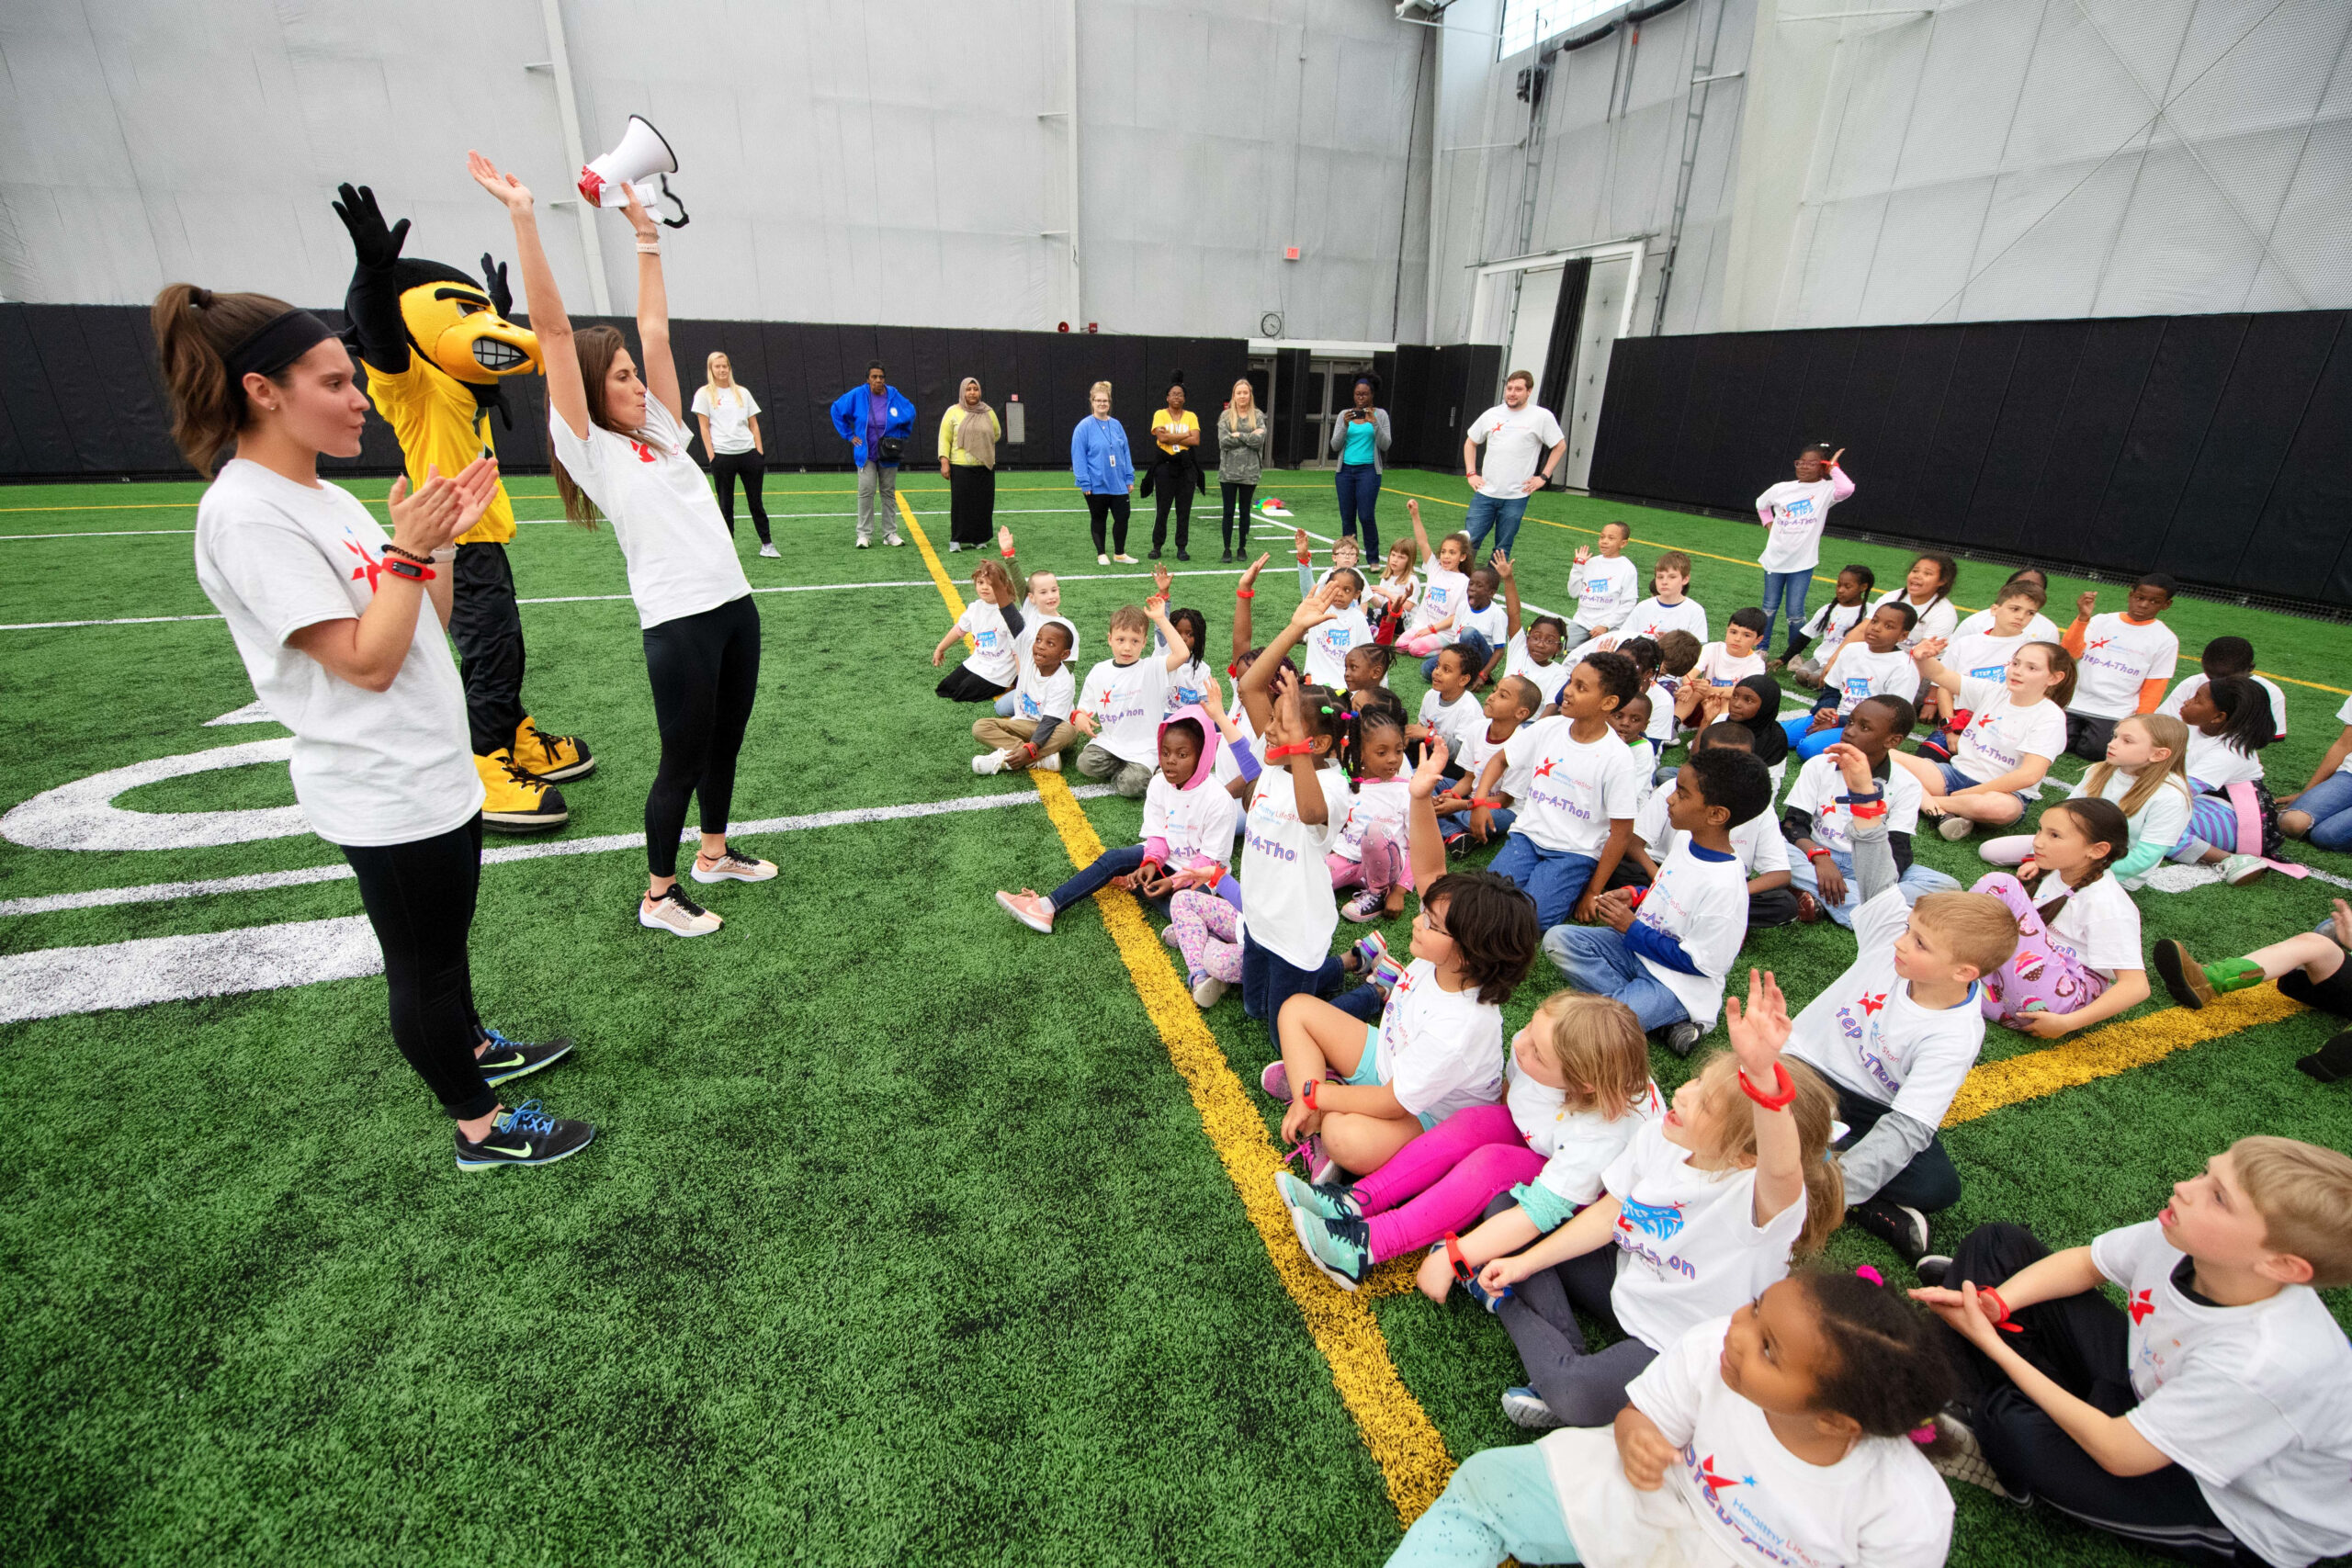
<point x="902" y="1239"/>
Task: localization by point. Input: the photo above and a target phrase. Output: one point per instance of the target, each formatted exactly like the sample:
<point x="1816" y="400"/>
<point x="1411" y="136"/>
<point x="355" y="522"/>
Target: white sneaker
<point x="677" y="914"/>
<point x="865" y="543"/>
<point x="893" y="542"/>
<point x="733" y="866"/>
<point x="954" y="548"/>
<point x="1102" y="561"/>
<point x="770" y="550"/>
<point x="1207" y="992"/>
<point x="2239" y="870"/>
<point x="989" y="762"/>
<point x="1052" y="765"/>
<point x="1955" y="827"/>
<point x="1126" y="560"/>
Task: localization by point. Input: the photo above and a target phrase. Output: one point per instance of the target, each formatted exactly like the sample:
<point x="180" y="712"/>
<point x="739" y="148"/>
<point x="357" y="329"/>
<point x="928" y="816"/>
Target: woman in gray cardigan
<point x="1240" y="458"/>
<point x="1359" y="436"/>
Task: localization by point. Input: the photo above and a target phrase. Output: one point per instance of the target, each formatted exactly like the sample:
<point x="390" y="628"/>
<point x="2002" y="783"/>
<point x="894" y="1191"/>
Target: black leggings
<point x="705" y="671"/>
<point x="752" y="466"/>
<point x="420" y="897"/>
<point x="1174" y="488"/>
<point x="1115" y="508"/>
<point x="1233" y="493"/>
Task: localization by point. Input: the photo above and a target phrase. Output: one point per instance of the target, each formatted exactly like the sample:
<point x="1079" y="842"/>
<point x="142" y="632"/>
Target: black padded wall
<point x="2208" y="446"/>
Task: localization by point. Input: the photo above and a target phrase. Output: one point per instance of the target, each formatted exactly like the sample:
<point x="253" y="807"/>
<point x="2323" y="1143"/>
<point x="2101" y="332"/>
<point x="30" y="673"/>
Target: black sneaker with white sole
<point x="525" y="1135"/>
<point x="504" y="1060"/>
<point x="1683" y="1038"/>
<point x="1933" y="1270"/>
<point x="1900" y="1226"/>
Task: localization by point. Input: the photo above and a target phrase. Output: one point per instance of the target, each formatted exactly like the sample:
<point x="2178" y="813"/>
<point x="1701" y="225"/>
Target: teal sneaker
<point x="1341" y="1248"/>
<point x="1333" y="1202"/>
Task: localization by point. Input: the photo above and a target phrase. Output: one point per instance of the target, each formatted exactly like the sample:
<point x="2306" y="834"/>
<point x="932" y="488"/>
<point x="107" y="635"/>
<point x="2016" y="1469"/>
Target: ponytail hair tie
<point x="1872" y="1275"/>
<point x="1344" y="713"/>
<point x="1923" y="1435"/>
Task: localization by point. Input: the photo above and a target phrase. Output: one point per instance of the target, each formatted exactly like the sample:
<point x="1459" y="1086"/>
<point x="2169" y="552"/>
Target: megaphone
<point x="642" y="155"/>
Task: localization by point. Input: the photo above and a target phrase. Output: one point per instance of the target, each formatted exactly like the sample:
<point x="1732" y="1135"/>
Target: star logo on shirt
<point x="368" y="568"/>
<point x="1105" y="699"/>
<point x="1546" y="771"/>
<point x="2143" y="1304"/>
<point x="2097" y="642"/>
<point x="1713" y="1483"/>
<point x="1871" y="1004"/>
<point x="644" y="453"/>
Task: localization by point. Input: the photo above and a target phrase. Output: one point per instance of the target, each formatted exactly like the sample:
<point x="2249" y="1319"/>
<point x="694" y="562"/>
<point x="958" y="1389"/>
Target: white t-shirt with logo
<point x="1755" y="843"/>
<point x="2196" y="684"/>
<point x="1799" y="512"/>
<point x="1859" y="675"/>
<point x="1287" y="902"/>
<point x="2099" y="924"/>
<point x="1936" y="620"/>
<point x="1328" y="646"/>
<point x="2120" y="655"/>
<point x="2041" y="629"/>
<point x="1194" y="824"/>
<point x="1549" y="679"/>
<point x="1576" y="1145"/>
<point x="1127" y="701"/>
<point x="1701" y="903"/>
<point x="681" y="557"/>
<point x="730" y="411"/>
<point x="2254" y="1401"/>
<point x="1515" y="441"/>
<point x="1819" y="784"/>
<point x="1688" y="1245"/>
<point x="1032" y="618"/>
<point x="2002" y="736"/>
<point x="1653" y="618"/>
<point x="1444" y="593"/>
<point x="1377" y="803"/>
<point x="369" y="768"/>
<point x="1716" y="667"/>
<point x="1456" y="723"/>
<point x="1039" y="697"/>
<point x="993" y="657"/>
<point x="2214" y="763"/>
<point x="1981" y="656"/>
<point x="1829" y="624"/>
<point x="1605" y="591"/>
<point x="1863" y="1031"/>
<point x="1575" y="788"/>
<point x="1439" y="1051"/>
<point x="1732" y="1486"/>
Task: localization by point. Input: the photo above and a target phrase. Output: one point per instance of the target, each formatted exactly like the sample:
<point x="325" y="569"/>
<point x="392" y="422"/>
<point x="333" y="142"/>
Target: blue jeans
<point x="1501" y="1504"/>
<point x="1475" y="648"/>
<point x="1596" y="959"/>
<point x="1359" y="488"/>
<point x="1499" y="821"/>
<point x="1268" y="980"/>
<point x="1916" y="884"/>
<point x="1554" y="878"/>
<point x="1502" y="516"/>
<point x="1808" y="747"/>
<point x="2329" y="806"/>
<point x="1790" y="587"/>
<point x="1091" y="878"/>
<point x="1006" y="703"/>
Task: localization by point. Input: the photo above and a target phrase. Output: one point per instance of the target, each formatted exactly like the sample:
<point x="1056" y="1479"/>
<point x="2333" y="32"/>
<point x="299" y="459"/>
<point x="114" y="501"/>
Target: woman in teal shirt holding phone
<point x="1359" y="436"/>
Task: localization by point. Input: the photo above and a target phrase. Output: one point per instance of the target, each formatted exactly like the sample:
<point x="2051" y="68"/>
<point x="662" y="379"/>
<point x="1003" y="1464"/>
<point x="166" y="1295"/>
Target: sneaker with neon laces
<point x="514" y="802"/>
<point x="1365" y="905"/>
<point x="677" y="914"/>
<point x="551" y="759"/>
<point x="525" y="1135"/>
<point x="1341" y="1248"/>
<point x="503" y="1060"/>
<point x="1522" y="1406"/>
<point x="733" y="865"/>
<point x="1030" y="907"/>
<point x="1334" y="1202"/>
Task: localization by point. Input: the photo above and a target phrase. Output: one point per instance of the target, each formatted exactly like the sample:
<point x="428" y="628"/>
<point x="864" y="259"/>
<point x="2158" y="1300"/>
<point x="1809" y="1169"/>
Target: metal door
<point x="1330" y="389"/>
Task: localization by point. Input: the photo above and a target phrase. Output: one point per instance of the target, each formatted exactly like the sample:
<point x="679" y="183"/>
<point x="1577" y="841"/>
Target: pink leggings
<point x="1443" y="1179"/>
<point x="1384" y="864"/>
<point x="2042" y="977"/>
<point x="1208" y="933"/>
<point x="1428" y="642"/>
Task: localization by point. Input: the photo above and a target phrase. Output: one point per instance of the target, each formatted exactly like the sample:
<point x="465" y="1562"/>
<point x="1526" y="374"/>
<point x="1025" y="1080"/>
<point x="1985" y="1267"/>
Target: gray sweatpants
<point x="1584" y="1388"/>
<point x="877" y="486"/>
<point x="1130" y="779"/>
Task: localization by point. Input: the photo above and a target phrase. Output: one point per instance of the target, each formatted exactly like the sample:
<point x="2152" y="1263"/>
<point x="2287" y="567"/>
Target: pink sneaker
<point x="1028" y="909"/>
<point x="1275" y="1081"/>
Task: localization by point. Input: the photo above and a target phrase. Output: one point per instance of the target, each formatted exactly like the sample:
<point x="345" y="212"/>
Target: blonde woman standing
<point x="1105" y="473"/>
<point x="969" y="433"/>
<point x="1240" y="458"/>
<point x="729" y="416"/>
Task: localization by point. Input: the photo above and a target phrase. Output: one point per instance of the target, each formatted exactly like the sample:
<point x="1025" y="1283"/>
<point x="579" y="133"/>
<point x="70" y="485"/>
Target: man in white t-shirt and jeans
<point x="1522" y="448"/>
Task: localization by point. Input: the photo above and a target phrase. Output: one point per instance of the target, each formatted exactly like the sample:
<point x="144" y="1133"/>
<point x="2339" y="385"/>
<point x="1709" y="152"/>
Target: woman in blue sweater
<point x="1100" y="461"/>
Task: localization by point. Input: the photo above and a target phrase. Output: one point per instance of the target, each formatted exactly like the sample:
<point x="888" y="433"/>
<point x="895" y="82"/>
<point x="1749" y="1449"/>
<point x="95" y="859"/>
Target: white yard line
<point x="532" y="523"/>
<point x="55" y="981"/>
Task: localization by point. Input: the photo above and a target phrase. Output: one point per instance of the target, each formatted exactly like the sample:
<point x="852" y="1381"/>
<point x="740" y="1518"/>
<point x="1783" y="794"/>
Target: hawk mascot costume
<point x="439" y="348"/>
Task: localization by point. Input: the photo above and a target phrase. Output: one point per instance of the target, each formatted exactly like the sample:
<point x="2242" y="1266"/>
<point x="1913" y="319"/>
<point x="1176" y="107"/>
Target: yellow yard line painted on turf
<point x="1403" y="1440"/>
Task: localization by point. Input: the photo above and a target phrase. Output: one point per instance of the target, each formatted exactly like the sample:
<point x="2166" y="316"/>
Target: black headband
<point x="275" y="344"/>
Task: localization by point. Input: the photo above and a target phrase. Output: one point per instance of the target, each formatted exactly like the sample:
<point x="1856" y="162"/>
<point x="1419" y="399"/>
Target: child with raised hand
<point x="1124" y="698"/>
<point x="2127" y="660"/>
<point x="1388" y="599"/>
<point x="1797" y="1420"/>
<point x="1532" y="648"/>
<point x="1849" y="606"/>
<point x="1444" y="591"/>
<point x="2078" y="953"/>
<point x="1371" y="853"/>
<point x="2233" y="821"/>
<point x="1038" y="728"/>
<point x="2210" y="1417"/>
<point x="1794" y="512"/>
<point x="1980" y="655"/>
<point x="1464" y="817"/>
<point x="1438" y="1046"/>
<point x="1604" y="586"/>
<point x="2228" y="655"/>
<point x="2017" y="728"/>
<point x="1328" y="644"/>
<point x="1483" y="627"/>
<point x="1041" y="602"/>
<point x="2309" y="968"/>
<point x="1189" y="683"/>
<point x="1705" y="1206"/>
<point x="2146" y="774"/>
<point x="1664" y="951"/>
<point x="1816" y="820"/>
<point x="1577" y="815"/>
<point x="1723" y="665"/>
<point x="1874" y="667"/>
<point x="992" y="668"/>
<point x="1579" y="1087"/>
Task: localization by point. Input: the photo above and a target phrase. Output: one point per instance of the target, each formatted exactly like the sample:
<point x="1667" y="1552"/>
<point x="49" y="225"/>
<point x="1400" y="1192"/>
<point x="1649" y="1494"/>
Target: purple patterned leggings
<point x="2042" y="976"/>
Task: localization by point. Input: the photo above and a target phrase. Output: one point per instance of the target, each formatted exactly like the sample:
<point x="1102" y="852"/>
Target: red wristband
<point x="1489" y="805"/>
<point x="1006" y="554"/>
<point x="1817" y="854"/>
<point x="1784" y="1089"/>
<point x="1307" y="1094"/>
<point x="1245" y="594"/>
<point x="401" y="566"/>
<point x="1296" y="748"/>
<point x="1463" y="1273"/>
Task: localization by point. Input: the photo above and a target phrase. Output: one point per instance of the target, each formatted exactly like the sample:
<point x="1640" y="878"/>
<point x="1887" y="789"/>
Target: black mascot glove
<point x="374" y="302"/>
<point x="494" y="278"/>
<point x="376" y="246"/>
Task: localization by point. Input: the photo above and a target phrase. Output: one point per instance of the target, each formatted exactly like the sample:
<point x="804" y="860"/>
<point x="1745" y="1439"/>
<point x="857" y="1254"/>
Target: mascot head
<point x="457" y="326"/>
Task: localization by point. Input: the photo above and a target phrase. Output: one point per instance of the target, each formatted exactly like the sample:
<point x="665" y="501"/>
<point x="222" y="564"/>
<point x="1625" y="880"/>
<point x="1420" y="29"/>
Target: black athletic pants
<point x="1231" y="494"/>
<point x="753" y="467"/>
<point x="971" y="504"/>
<point x="487" y="626"/>
<point x="1115" y="508"/>
<point x="705" y="672"/>
<point x="1928" y="1183"/>
<point x="420" y="897"/>
<point x="2082" y="1343"/>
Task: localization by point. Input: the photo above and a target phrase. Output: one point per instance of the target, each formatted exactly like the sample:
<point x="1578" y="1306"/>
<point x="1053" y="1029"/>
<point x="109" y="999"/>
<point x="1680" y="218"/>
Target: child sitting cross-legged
<point x="1034" y="734"/>
<point x="1797" y="1420"/>
<point x="1188" y="821"/>
<point x="1705" y="1206"/>
<point x="1898" y="1031"/>
<point x="2309" y="968"/>
<point x="1876" y="666"/>
<point x="1371" y="853"/>
<point x="1124" y="698"/>
<point x="2078" y="932"/>
<point x="1464" y="817"/>
<point x="2233" y="820"/>
<point x="1532" y="647"/>
<point x="1664" y="950"/>
<point x="1583" y="788"/>
<point x="992" y="623"/>
<point x="1579" y="1087"/>
<point x="1763" y="853"/>
<point x="2210" y="1417"/>
<point x="1438" y="1046"/>
<point x="1814" y="818"/>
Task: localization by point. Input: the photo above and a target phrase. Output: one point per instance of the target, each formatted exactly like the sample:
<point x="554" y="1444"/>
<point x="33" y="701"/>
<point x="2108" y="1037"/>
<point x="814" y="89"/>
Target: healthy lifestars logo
<point x="1663" y="1221"/>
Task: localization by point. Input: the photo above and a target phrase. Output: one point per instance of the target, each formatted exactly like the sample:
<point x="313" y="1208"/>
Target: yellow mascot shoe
<point x="514" y="802"/>
<point x="552" y="759"/>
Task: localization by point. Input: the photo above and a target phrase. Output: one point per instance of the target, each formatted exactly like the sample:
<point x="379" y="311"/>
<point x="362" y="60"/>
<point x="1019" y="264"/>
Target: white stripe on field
<point x="55" y="981"/>
<point x="262" y="882"/>
<point x="532" y="523"/>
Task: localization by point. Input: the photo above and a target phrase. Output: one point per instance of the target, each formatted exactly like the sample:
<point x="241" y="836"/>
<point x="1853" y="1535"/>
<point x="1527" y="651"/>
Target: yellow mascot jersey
<point x="440" y="425"/>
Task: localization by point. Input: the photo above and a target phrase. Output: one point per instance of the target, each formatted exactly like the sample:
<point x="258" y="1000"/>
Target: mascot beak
<point x="462" y="332"/>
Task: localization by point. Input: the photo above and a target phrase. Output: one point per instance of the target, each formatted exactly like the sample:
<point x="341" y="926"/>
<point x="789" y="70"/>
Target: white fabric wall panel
<point x="2047" y="236"/>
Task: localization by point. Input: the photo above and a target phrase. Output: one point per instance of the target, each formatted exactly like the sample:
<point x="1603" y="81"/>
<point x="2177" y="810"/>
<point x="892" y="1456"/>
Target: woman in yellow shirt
<point x="1175" y="472"/>
<point x="969" y="433"/>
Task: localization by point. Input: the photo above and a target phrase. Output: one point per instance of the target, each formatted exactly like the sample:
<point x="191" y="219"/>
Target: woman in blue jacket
<point x="1105" y="472"/>
<point x="878" y="422"/>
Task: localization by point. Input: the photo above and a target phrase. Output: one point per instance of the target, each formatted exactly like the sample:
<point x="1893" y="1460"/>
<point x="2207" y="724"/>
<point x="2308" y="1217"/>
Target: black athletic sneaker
<point x="525" y="1135"/>
<point x="1683" y="1038"/>
<point x="506" y="1060"/>
<point x="1903" y="1229"/>
<point x="1933" y="1270"/>
<point x="2332" y="1063"/>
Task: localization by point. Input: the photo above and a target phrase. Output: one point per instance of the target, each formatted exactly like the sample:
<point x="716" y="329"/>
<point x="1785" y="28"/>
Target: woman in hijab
<point x="969" y="433"/>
